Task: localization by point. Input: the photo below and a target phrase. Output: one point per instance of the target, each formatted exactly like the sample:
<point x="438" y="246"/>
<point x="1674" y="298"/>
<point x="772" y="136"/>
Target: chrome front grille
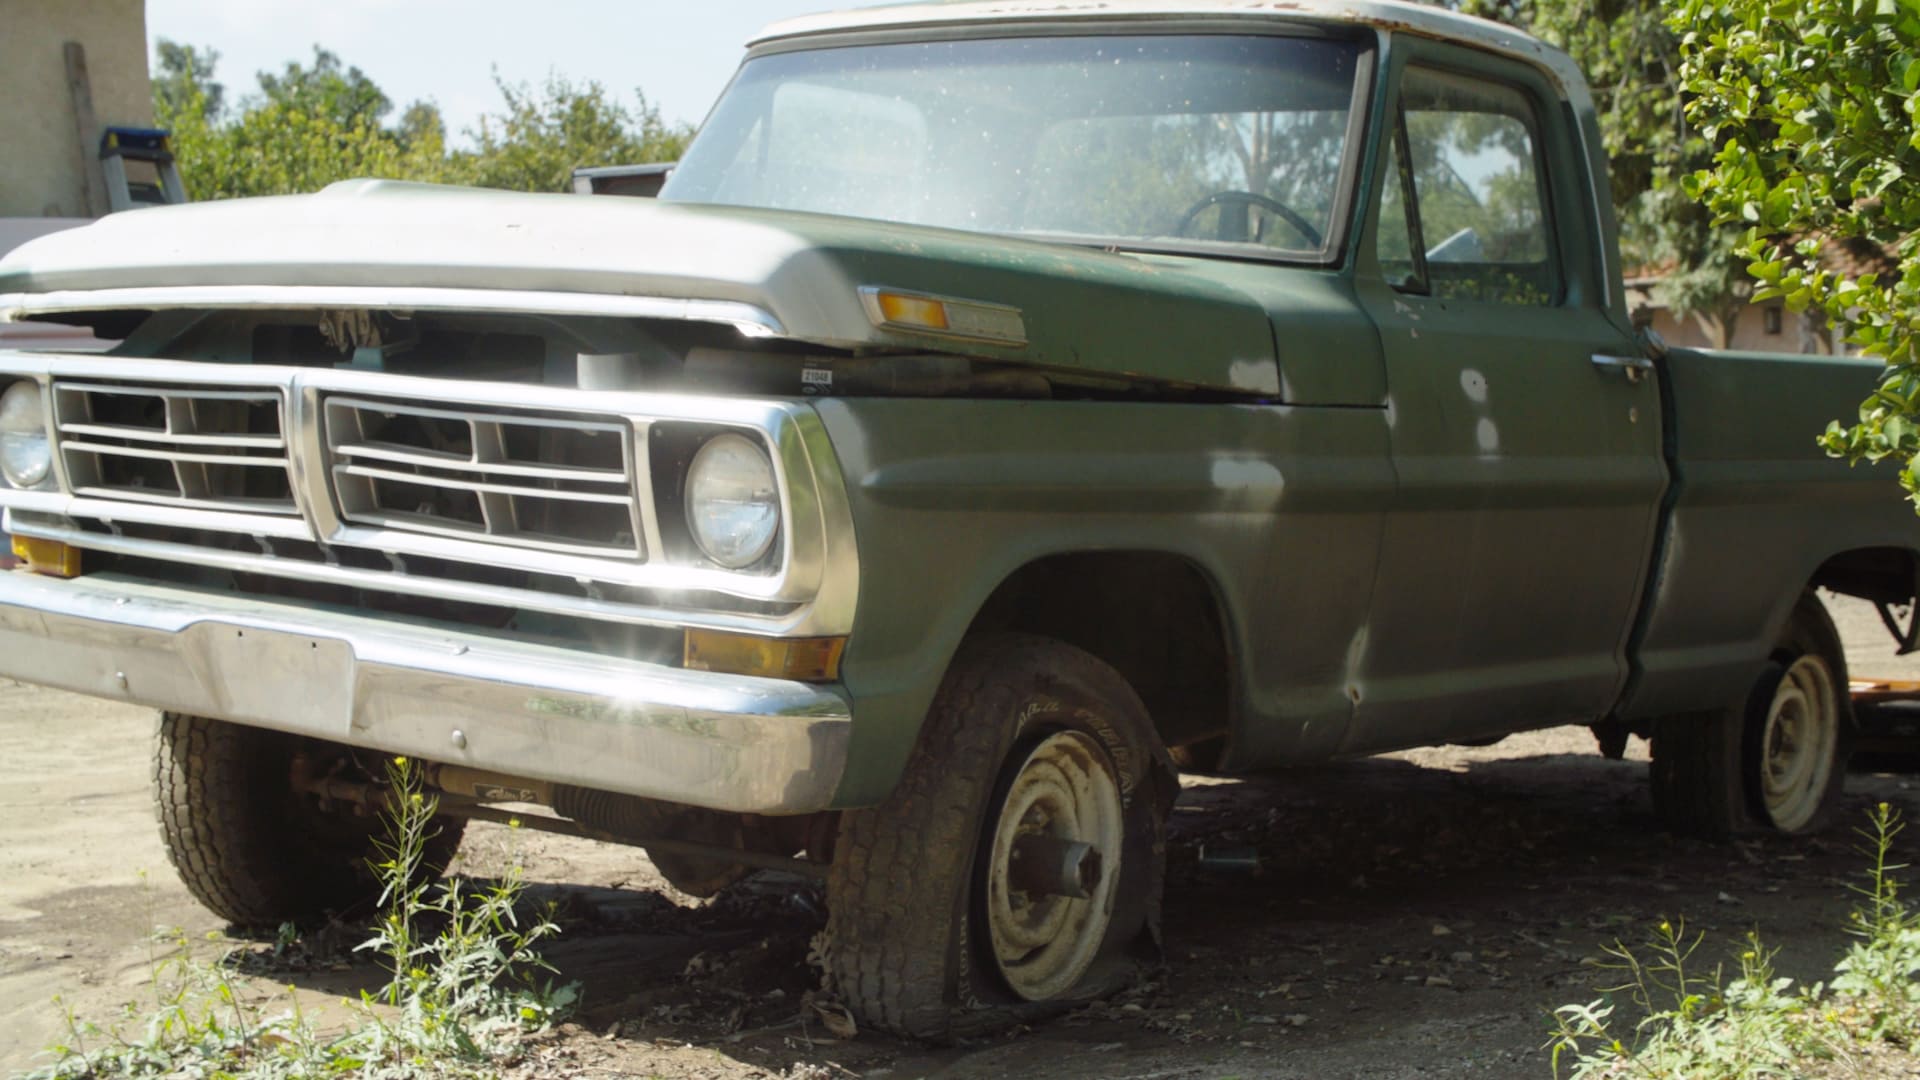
<point x="554" y="482"/>
<point x="202" y="448"/>
<point x="399" y="493"/>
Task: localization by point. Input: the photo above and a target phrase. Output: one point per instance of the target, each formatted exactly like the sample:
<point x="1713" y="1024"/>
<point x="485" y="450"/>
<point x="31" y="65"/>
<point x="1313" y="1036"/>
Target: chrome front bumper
<point x="726" y="742"/>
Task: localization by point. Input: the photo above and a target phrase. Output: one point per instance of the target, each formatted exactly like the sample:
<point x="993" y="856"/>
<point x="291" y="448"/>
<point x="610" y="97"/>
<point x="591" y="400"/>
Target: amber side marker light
<point x="944" y="316"/>
<point x="806" y="659"/>
<point x="905" y="310"/>
<point x="49" y="557"/>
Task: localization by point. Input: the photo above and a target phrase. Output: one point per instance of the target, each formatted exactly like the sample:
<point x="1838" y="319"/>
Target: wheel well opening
<point x="1883" y="575"/>
<point x="1154" y="618"/>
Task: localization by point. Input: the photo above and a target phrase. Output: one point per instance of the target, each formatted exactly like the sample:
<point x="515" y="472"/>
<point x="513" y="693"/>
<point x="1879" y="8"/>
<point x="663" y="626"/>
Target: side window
<point x="1481" y="205"/>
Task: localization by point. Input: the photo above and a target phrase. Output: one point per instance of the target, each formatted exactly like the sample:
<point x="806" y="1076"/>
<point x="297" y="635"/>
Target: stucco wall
<point x="1750" y="331"/>
<point x="40" y="157"/>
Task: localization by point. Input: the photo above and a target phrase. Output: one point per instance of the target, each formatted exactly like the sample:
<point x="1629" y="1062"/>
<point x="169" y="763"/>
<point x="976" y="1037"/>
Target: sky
<point x="680" y="52"/>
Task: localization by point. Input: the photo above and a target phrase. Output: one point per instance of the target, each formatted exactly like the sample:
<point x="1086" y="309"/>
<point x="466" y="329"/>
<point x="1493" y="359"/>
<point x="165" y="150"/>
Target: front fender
<point x="951" y="497"/>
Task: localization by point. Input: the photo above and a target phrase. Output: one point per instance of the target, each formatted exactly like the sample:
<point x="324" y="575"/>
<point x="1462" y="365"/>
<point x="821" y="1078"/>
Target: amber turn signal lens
<point x="910" y="310"/>
<point x="806" y="659"/>
<point x="49" y="557"/>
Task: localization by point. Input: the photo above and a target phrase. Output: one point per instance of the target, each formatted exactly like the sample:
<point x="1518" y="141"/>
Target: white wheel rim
<point x="1065" y="789"/>
<point x="1797" y="744"/>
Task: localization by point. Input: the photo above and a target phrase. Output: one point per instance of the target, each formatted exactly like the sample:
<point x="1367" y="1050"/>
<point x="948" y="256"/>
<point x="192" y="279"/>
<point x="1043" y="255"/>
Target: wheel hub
<point x="1054" y="859"/>
<point x="1045" y="865"/>
<point x="1797" y="744"/>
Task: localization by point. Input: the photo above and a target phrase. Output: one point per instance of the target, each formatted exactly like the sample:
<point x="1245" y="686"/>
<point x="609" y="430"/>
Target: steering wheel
<point x="1247" y="198"/>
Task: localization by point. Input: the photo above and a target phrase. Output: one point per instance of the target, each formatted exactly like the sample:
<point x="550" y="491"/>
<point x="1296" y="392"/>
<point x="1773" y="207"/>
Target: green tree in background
<point x="182" y="73"/>
<point x="344" y="95"/>
<point x="1632" y="60"/>
<point x="543" y="135"/>
<point x="274" y="146"/>
<point x="311" y="125"/>
<point x="1812" y="104"/>
<point x="422" y="123"/>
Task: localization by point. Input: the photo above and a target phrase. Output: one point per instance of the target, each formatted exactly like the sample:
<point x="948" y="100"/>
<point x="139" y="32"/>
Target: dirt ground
<point x="1415" y="915"/>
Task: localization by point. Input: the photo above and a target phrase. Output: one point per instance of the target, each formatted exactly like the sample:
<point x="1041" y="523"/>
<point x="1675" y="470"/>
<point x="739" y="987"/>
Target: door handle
<point x="1634" y="367"/>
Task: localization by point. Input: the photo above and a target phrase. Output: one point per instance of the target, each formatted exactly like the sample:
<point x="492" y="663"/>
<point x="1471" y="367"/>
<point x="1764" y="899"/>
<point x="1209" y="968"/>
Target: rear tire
<point x="1774" y="762"/>
<point x="248" y="846"/>
<point x="932" y="933"/>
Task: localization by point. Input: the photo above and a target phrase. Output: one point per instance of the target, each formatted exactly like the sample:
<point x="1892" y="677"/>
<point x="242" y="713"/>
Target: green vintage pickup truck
<point x="1000" y="402"/>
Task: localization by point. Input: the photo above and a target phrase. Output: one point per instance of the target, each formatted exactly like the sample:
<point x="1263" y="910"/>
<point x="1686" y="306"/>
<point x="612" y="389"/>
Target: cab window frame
<point x="1549" y="155"/>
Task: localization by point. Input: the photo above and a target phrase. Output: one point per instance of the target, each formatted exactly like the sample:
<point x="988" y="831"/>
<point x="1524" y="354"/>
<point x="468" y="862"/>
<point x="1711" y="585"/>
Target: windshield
<point x="1165" y="142"/>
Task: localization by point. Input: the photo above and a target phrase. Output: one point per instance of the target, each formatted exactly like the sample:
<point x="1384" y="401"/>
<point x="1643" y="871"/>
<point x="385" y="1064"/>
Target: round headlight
<point x="733" y="503"/>
<point x="26" y="458"/>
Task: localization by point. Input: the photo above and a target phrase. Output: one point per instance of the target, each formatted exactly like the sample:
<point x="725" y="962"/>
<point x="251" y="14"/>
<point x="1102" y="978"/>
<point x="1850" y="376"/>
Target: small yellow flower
<point x="400" y="760"/>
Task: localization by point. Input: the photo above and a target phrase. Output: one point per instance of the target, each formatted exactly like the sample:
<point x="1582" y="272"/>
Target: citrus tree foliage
<point x="1632" y="60"/>
<point x="1812" y="103"/>
<point x="311" y="125"/>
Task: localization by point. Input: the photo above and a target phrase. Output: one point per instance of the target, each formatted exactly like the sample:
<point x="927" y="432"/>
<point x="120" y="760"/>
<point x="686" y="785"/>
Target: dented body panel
<point x="1249" y="495"/>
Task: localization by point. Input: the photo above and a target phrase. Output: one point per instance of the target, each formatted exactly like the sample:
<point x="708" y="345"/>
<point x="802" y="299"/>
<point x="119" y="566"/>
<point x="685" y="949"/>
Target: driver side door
<point x="1530" y="469"/>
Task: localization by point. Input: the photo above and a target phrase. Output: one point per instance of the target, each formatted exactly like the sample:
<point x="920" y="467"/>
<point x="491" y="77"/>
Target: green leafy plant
<point x="1877" y="973"/>
<point x="195" y="1020"/>
<point x="468" y="989"/>
<point x="1812" y="106"/>
<point x="464" y="995"/>
<point x="1696" y="1025"/>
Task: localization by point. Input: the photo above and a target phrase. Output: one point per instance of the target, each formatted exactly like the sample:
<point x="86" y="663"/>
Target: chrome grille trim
<point x="395" y="580"/>
<point x="813" y="593"/>
<point x="508" y="495"/>
<point x="184" y="440"/>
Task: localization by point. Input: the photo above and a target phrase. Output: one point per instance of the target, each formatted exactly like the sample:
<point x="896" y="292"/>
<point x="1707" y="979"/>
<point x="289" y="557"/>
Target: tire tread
<point x="226" y="819"/>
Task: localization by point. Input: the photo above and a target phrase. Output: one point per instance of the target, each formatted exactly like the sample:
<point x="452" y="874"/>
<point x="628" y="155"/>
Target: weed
<point x="1876" y="976"/>
<point x="1697" y="1025"/>
<point x="462" y="996"/>
<point x="466" y="990"/>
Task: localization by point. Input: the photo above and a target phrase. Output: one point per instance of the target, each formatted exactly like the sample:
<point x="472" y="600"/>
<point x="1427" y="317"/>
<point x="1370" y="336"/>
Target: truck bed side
<point x="1756" y="514"/>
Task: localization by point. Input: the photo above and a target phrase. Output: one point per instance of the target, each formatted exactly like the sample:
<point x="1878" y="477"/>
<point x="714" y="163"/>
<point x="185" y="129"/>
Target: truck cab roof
<point x="966" y="16"/>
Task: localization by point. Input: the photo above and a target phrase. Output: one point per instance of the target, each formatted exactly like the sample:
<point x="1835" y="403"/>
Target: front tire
<point x="247" y="845"/>
<point x="1775" y="761"/>
<point x="952" y="906"/>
